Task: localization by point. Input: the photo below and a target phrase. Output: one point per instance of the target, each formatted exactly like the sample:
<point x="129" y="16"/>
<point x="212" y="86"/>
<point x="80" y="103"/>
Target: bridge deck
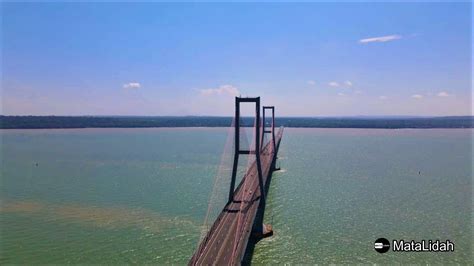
<point x="227" y="240"/>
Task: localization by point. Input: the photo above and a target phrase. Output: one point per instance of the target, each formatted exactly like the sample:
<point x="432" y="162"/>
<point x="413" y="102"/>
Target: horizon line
<point x="215" y="116"/>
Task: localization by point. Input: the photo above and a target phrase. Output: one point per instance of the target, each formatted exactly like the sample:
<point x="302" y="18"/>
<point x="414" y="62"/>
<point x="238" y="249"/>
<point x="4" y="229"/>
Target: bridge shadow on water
<point x="257" y="226"/>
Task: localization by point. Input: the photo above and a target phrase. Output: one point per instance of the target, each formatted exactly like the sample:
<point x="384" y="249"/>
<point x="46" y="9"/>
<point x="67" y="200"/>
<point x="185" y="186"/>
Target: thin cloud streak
<point x="132" y="85"/>
<point x="387" y="38"/>
<point x="221" y="90"/>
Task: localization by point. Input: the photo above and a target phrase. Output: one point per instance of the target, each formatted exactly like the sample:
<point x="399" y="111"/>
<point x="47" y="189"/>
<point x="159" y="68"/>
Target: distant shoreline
<point x="50" y="122"/>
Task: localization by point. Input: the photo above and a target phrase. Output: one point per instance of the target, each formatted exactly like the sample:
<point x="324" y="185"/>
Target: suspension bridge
<point x="241" y="218"/>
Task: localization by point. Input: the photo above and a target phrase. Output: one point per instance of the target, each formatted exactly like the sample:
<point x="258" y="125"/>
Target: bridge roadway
<point x="226" y="241"/>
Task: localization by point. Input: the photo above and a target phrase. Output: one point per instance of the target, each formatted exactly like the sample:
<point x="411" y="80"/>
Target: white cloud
<point x="417" y="96"/>
<point x="341" y="94"/>
<point x="381" y="39"/>
<point x="311" y="82"/>
<point x="333" y="84"/>
<point x="383" y="97"/>
<point x="443" y="94"/>
<point x="358" y="92"/>
<point x="348" y="83"/>
<point x="222" y="90"/>
<point x="132" y="85"/>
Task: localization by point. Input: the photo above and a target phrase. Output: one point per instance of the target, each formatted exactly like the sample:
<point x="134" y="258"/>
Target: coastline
<point x="50" y="122"/>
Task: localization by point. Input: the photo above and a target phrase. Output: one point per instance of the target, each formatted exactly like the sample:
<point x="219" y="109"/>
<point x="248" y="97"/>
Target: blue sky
<point x="309" y="59"/>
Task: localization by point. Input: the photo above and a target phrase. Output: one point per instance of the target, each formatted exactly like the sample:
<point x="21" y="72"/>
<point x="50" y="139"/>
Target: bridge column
<point x="236" y="148"/>
<point x="257" y="151"/>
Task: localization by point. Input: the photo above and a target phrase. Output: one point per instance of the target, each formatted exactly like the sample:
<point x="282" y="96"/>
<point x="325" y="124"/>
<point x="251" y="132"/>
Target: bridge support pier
<point x="265" y="231"/>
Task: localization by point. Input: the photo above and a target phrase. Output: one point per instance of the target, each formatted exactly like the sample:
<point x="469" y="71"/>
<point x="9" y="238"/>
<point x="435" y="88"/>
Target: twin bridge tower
<point x="229" y="238"/>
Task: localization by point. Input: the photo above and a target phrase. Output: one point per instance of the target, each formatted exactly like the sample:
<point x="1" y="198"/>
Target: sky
<point x="307" y="59"/>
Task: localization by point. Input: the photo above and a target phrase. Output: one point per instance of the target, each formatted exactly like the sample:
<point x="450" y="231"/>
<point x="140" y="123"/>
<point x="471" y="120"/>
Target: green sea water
<point x="141" y="195"/>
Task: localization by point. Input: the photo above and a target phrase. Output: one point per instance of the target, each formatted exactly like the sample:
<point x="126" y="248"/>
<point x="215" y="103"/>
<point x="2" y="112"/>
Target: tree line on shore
<point x="32" y="122"/>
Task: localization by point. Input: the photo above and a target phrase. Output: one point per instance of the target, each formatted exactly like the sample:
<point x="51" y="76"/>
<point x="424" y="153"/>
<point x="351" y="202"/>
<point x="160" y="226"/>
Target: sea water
<point x="141" y="195"/>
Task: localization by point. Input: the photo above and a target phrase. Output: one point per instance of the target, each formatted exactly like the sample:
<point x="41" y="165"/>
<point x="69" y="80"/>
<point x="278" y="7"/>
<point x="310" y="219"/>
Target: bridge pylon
<point x="272" y="126"/>
<point x="238" y="151"/>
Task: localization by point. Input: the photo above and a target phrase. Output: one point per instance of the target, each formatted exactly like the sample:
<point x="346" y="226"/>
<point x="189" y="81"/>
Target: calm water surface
<point x="141" y="195"/>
